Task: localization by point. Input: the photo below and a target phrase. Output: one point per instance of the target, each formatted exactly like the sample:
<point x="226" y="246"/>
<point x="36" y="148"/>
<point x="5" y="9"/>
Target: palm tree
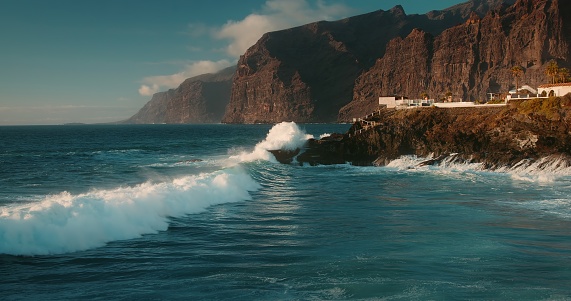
<point x="563" y="74"/>
<point x="448" y="96"/>
<point x="517" y="72"/>
<point x="552" y="70"/>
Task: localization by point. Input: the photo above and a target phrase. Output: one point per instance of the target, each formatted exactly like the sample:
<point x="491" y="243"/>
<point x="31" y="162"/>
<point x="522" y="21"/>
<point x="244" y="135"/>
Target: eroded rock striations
<point x="471" y="59"/>
<point x="335" y="71"/>
<point x="494" y="136"/>
<point x="307" y="73"/>
<point x="200" y="99"/>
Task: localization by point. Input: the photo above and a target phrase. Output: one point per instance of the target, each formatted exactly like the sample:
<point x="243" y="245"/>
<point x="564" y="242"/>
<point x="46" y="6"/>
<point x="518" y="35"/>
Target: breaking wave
<point x="283" y="136"/>
<point x="65" y="223"/>
<point x="546" y="169"/>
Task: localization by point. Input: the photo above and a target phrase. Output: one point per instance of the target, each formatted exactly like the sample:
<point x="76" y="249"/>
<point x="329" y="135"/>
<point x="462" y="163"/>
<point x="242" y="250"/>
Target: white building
<point x="392" y="102"/>
<point x="388" y="101"/>
<point x="554" y="89"/>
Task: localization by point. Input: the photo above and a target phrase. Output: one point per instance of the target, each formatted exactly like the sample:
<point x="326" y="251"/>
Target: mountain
<point x="334" y="71"/>
<point x="200" y="99"/>
<point x="470" y="59"/>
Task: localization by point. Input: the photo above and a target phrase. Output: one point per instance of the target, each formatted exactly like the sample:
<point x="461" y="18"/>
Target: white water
<point x="282" y="136"/>
<point x="545" y="170"/>
<point x="65" y="223"/>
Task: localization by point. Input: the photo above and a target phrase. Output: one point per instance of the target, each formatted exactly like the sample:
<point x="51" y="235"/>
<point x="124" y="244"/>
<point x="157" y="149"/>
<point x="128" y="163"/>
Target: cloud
<point x="198" y="29"/>
<point x="153" y="84"/>
<point x="148" y="90"/>
<point x="276" y="15"/>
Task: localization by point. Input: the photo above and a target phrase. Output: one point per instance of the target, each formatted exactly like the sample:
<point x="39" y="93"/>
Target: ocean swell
<point x="65" y="223"/>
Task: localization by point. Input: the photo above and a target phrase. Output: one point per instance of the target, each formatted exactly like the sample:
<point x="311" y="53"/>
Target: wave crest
<point x="65" y="223"/>
<point x="282" y="136"/>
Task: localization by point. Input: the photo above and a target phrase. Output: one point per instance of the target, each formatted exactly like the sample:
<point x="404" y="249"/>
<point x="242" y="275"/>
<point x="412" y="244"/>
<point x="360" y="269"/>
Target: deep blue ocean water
<point x="202" y="212"/>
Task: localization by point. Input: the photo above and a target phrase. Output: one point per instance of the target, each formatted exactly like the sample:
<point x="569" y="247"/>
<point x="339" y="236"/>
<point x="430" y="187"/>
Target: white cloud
<point x="148" y="90"/>
<point x="276" y="15"/>
<point x="153" y="84"/>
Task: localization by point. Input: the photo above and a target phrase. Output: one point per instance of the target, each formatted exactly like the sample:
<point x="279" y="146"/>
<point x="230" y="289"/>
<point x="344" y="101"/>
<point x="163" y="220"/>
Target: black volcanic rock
<point x="494" y="136"/>
<point x="200" y="99"/>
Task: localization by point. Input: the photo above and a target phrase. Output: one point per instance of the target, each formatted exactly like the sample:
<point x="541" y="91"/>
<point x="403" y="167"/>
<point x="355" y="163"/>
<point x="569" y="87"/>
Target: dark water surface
<point x="195" y="212"/>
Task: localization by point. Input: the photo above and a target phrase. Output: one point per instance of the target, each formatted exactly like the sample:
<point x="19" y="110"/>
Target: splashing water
<point x="284" y="136"/>
<point x="65" y="222"/>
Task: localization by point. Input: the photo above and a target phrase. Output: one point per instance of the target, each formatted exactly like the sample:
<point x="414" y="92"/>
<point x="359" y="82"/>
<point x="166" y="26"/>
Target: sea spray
<point x="544" y="170"/>
<point x="65" y="223"/>
<point x="282" y="136"/>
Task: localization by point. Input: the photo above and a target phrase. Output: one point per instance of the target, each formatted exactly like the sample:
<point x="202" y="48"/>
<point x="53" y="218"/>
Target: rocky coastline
<point x="497" y="137"/>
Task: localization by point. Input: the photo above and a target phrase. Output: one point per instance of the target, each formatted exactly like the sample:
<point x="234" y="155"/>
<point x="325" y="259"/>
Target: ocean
<point x="204" y="212"/>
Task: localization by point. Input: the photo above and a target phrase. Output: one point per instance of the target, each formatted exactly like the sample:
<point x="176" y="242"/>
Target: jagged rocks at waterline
<point x="494" y="136"/>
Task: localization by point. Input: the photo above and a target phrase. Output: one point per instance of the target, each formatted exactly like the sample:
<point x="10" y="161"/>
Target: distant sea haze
<point x="204" y="212"/>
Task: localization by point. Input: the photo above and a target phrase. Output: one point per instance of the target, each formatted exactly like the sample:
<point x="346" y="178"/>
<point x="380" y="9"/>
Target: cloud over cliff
<point x="153" y="84"/>
<point x="241" y="34"/>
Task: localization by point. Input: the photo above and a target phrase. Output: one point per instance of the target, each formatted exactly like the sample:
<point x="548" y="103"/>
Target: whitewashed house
<point x="554" y="89"/>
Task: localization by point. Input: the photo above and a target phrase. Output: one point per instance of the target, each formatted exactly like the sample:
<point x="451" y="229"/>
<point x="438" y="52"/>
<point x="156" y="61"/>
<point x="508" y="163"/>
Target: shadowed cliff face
<point x="200" y="99"/>
<point x="471" y="59"/>
<point x="307" y="73"/>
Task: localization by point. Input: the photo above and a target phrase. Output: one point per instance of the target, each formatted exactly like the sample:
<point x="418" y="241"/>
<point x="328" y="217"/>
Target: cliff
<point x="308" y="73"/>
<point x="471" y="59"/>
<point x="494" y="136"/>
<point x="200" y="99"/>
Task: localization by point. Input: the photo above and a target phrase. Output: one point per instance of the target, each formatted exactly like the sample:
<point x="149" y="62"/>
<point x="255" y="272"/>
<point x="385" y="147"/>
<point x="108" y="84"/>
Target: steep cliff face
<point x="307" y="73"/>
<point x="200" y="99"/>
<point x="471" y="59"/>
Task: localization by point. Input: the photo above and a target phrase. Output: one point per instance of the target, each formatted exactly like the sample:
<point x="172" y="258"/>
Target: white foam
<point x="282" y="136"/>
<point x="545" y="170"/>
<point x="65" y="223"/>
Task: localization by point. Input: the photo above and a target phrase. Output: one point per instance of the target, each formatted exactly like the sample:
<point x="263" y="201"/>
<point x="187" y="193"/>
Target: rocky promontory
<point x="497" y="137"/>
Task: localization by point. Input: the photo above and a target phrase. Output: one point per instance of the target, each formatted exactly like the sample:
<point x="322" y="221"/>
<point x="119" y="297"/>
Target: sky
<point x="97" y="61"/>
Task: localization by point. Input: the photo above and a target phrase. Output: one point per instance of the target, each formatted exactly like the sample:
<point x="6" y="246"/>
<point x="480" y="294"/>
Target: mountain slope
<point x="470" y="59"/>
<point x="307" y="73"/>
<point x="200" y="99"/>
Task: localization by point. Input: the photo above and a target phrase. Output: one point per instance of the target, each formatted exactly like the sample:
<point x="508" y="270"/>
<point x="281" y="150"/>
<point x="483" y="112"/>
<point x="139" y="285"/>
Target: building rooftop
<point x="555" y="85"/>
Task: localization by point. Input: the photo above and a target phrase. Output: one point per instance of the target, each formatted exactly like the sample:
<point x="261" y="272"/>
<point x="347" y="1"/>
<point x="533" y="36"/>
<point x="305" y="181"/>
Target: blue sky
<point x="97" y="61"/>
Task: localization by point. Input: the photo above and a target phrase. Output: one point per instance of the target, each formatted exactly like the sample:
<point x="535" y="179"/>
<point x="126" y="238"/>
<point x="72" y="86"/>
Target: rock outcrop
<point x="471" y="59"/>
<point x="494" y="136"/>
<point x="307" y="73"/>
<point x="200" y="99"/>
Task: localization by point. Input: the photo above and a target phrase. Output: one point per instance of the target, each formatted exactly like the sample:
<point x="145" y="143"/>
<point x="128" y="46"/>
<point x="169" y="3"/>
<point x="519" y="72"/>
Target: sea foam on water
<point x="65" y="223"/>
